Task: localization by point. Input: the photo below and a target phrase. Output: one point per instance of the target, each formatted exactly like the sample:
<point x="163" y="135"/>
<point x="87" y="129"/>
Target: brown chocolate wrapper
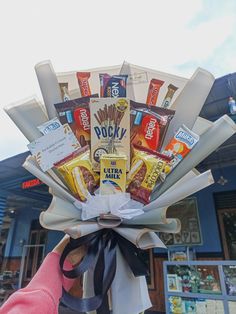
<point x="77" y="114"/>
<point x="149" y="125"/>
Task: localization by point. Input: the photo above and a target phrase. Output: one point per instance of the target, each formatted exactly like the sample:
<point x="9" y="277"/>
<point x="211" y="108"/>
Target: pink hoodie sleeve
<point x="42" y="294"/>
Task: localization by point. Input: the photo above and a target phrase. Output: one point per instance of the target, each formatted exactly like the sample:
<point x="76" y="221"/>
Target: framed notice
<point x="187" y="212"/>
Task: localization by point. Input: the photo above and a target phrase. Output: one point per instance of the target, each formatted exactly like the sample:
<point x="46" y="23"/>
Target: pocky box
<point x="76" y="114"/>
<point x="149" y="124"/>
<point x="110" y="128"/>
<point x="112" y="174"/>
<point x="112" y="86"/>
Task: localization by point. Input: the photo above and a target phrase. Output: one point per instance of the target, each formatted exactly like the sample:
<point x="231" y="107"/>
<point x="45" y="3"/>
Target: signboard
<point x="30" y="183"/>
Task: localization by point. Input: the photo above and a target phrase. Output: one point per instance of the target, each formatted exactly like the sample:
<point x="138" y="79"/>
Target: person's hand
<point x="75" y="256"/>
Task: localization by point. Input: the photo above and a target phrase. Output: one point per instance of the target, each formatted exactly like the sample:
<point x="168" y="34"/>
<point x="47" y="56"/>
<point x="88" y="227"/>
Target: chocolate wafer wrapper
<point x="76" y="170"/>
<point x="149" y="124"/>
<point x="76" y="114"/>
<point x="110" y="128"/>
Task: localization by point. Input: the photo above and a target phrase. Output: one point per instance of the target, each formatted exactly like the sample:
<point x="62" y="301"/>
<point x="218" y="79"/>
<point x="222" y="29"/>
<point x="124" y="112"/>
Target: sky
<point x="168" y="35"/>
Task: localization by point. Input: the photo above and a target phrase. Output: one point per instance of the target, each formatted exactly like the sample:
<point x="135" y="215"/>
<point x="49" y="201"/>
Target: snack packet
<point x="76" y="171"/>
<point x="113" y="86"/>
<point x="110" y="133"/>
<point x="76" y="113"/>
<point x="64" y="91"/>
<point x="149" y="125"/>
<point x="146" y="170"/>
<point x="49" y="126"/>
<point x="169" y="95"/>
<point x="112" y="174"/>
<point x="180" y="145"/>
<point x="83" y="78"/>
<point x="153" y="91"/>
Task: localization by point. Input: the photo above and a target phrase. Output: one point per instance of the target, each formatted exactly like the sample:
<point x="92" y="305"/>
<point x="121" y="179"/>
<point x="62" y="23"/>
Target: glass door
<point x="34" y="255"/>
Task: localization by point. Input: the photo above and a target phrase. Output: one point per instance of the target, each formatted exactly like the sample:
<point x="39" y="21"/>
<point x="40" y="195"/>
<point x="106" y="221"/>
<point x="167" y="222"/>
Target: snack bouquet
<point x="117" y="146"/>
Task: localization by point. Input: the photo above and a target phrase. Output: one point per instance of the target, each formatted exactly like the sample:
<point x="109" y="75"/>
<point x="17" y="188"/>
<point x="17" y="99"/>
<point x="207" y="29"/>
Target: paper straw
<point x="27" y="114"/>
<point x="217" y="134"/>
<point x="189" y="102"/>
<point x="49" y="86"/>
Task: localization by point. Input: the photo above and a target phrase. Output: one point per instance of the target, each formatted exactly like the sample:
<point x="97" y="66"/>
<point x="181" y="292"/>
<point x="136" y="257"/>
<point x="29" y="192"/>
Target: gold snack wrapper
<point x="76" y="171"/>
<point x="113" y="173"/>
<point x="147" y="167"/>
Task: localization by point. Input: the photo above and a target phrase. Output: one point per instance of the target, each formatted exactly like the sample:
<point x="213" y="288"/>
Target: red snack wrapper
<point x="146" y="170"/>
<point x="83" y="78"/>
<point x="149" y="125"/>
<point x="153" y="92"/>
<point x="77" y="114"/>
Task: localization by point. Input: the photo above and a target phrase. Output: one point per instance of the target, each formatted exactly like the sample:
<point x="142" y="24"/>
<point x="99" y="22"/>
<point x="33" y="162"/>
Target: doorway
<point x="227" y="222"/>
<point x="35" y="254"/>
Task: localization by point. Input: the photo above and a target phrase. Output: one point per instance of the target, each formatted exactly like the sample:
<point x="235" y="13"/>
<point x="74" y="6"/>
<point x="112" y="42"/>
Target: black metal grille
<point x="225" y="199"/>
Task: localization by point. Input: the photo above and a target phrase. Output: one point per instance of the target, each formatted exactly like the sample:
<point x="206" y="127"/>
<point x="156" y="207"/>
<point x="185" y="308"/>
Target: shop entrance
<point x="34" y="255"/>
<point x="226" y="211"/>
<point x="227" y="221"/>
<point x="34" y="250"/>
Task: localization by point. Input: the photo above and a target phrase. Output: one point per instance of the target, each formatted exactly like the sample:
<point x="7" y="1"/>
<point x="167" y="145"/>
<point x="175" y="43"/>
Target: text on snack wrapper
<point x="110" y="132"/>
<point x="112" y="173"/>
<point x="185" y="137"/>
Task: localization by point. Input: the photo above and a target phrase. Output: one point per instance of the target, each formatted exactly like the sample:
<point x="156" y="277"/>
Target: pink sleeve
<point x="42" y="294"/>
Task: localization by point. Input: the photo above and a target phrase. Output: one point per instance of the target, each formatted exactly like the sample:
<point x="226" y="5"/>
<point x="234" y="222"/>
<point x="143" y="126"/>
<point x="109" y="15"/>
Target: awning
<point x="14" y="194"/>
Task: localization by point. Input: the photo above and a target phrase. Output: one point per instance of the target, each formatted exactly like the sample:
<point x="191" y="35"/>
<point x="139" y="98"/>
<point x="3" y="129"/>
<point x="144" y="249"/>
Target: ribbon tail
<point x="126" y="284"/>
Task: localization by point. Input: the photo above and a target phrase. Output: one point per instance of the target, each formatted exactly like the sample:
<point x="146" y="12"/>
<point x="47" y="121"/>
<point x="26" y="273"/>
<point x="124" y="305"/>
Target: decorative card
<point x="54" y="146"/>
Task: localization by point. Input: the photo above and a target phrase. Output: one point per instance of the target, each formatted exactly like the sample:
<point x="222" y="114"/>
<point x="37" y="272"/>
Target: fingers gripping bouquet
<point x="116" y="146"/>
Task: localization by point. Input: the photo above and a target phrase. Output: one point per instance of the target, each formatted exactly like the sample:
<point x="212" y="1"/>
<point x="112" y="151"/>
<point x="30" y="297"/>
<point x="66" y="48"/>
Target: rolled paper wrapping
<point x="180" y="191"/>
<point x="126" y="70"/>
<point x="27" y="114"/>
<point x="217" y="134"/>
<point x="189" y="102"/>
<point x="49" y="86"/>
<point x="201" y="125"/>
<point x="31" y="165"/>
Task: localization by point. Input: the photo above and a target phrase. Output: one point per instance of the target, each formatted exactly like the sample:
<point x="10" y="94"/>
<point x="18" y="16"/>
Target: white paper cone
<point x="49" y="86"/>
<point x="216" y="135"/>
<point x="181" y="191"/>
<point x="33" y="168"/>
<point x="190" y="101"/>
<point x="27" y="115"/>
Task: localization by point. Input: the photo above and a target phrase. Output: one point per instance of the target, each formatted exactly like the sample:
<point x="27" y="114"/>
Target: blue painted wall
<point x="53" y="238"/>
<point x="207" y="211"/>
<point x="20" y="229"/>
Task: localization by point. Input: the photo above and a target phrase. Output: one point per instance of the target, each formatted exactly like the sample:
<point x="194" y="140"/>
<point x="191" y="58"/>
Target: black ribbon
<point x="101" y="257"/>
